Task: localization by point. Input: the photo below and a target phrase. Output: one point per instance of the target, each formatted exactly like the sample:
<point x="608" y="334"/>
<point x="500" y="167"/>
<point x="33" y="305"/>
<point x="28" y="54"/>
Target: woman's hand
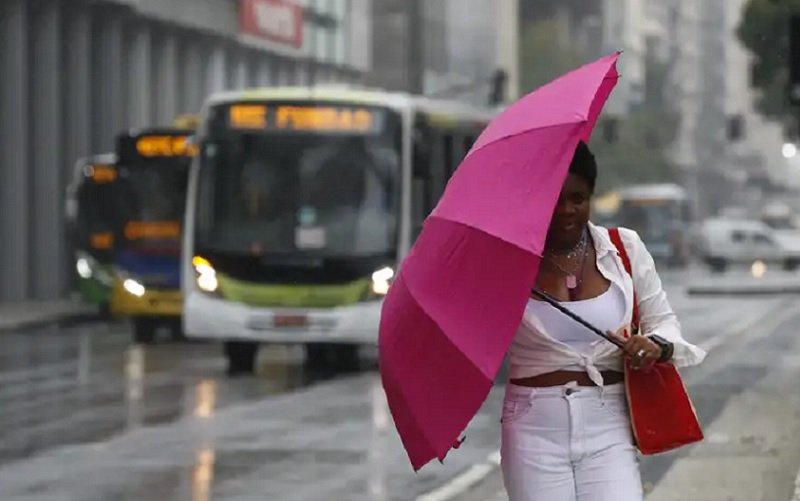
<point x="642" y="352"/>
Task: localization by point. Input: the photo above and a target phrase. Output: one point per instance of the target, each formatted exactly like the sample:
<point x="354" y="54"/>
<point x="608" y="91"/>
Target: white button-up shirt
<point x="535" y="352"/>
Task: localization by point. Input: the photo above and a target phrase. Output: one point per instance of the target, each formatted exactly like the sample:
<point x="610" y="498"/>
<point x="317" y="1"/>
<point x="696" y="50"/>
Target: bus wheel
<point x="316" y="356"/>
<point x="176" y="331"/>
<point x="345" y="357"/>
<point x="144" y="331"/>
<point x="717" y="264"/>
<point x="104" y="311"/>
<point x="241" y="357"/>
<point x="329" y="356"/>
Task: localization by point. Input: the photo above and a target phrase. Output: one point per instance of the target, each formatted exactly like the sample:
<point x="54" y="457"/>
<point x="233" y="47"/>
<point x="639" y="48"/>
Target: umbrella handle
<point x="555" y="304"/>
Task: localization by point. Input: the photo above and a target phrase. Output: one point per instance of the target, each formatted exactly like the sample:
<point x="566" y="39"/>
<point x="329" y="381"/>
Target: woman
<point x="566" y="432"/>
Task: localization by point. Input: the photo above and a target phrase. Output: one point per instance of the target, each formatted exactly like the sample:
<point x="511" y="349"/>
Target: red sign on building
<point x="279" y="21"/>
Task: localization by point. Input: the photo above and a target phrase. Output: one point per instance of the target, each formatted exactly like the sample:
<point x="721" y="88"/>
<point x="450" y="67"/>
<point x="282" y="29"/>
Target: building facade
<point x="624" y="28"/>
<point x="441" y="48"/>
<point x="77" y="72"/>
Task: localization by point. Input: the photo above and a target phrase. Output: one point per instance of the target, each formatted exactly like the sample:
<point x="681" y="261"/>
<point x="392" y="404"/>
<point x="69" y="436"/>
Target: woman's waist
<point x="525" y="365"/>
<point x="564" y="377"/>
<point x="516" y="393"/>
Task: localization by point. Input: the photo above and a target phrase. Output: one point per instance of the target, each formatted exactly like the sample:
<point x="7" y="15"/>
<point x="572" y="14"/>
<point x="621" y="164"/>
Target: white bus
<point x="661" y="214"/>
<point x="300" y="204"/>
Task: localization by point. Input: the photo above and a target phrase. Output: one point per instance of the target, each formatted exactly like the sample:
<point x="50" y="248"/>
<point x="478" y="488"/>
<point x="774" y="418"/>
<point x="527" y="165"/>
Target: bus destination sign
<point x="165" y="146"/>
<point x="294" y="118"/>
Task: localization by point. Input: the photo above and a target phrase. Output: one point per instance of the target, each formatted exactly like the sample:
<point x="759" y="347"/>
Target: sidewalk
<point x="27" y="314"/>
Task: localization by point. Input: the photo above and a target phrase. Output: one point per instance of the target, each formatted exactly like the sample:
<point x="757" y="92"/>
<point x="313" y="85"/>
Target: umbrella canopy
<point x="454" y="309"/>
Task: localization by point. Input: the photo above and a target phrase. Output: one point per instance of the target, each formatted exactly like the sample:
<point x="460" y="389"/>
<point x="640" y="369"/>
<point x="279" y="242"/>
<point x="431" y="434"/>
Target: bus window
<point x="450" y="159"/>
<point x="439" y="168"/>
<point x="418" y="203"/>
<point x="421" y="180"/>
<point x="468" y="142"/>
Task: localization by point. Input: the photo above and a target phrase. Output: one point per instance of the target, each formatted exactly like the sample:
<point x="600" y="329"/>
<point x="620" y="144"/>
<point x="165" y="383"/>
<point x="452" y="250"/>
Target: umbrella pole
<point x="555" y="304"/>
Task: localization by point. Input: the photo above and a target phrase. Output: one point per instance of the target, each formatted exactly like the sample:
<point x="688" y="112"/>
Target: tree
<point x="764" y="31"/>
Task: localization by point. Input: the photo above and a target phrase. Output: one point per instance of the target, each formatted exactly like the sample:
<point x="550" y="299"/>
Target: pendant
<point x="572" y="281"/>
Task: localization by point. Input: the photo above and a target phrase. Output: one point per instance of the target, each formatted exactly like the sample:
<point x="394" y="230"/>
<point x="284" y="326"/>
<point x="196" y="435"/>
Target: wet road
<point x="88" y="383"/>
<point x="85" y="416"/>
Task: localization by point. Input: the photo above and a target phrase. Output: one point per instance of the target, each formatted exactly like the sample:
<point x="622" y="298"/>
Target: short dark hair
<point x="584" y="165"/>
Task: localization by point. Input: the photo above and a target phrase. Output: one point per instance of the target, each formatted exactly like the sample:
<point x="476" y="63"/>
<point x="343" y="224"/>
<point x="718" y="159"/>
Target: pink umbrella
<point x="455" y="306"/>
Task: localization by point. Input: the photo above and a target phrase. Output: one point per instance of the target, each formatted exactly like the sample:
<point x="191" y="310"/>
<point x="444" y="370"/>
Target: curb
<point x="57" y="319"/>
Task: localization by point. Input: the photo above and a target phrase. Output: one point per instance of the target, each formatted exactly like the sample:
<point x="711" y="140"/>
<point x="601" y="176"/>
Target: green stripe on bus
<point x="283" y="295"/>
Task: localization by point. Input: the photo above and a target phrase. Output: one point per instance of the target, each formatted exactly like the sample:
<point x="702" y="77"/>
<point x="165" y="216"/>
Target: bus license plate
<point x="290" y="321"/>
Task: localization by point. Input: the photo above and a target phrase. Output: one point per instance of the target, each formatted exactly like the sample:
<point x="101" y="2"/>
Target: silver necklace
<point x="574" y="277"/>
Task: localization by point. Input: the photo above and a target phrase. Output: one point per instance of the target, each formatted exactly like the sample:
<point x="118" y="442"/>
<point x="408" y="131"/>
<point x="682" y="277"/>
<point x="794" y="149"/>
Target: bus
<point x="90" y="214"/>
<point x="661" y="215"/>
<point x="301" y="203"/>
<point x="605" y="209"/>
<point x="153" y="168"/>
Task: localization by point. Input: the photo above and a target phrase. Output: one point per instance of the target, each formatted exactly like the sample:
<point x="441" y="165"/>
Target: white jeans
<point x="568" y="443"/>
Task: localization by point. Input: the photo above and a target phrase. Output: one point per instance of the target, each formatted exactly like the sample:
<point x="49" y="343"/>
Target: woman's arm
<point x="656" y="315"/>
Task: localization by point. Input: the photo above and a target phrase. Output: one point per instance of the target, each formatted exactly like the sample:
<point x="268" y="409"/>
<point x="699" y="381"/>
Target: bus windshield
<point x="662" y="224"/>
<point x="299" y="181"/>
<point x="155" y="191"/>
<point x="97" y="216"/>
<point x="153" y="196"/>
<point x="327" y="196"/>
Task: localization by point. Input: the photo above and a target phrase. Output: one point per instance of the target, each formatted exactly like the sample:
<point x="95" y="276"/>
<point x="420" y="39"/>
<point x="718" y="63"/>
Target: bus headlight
<point x="88" y="267"/>
<point x="206" y="274"/>
<point x="134" y="287"/>
<point x="381" y="280"/>
<point x="83" y="268"/>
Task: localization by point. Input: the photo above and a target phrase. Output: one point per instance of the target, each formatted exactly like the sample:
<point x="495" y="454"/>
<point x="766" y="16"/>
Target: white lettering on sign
<point x="277" y="20"/>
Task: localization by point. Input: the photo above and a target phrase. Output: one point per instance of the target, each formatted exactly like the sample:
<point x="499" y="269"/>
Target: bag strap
<point x="616" y="239"/>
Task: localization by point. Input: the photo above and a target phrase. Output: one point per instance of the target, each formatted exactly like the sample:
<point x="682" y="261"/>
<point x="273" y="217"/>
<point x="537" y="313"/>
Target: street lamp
<point x="789" y="150"/>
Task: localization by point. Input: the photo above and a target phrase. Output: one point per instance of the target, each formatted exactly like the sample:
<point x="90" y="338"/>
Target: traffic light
<point x="498" y="87"/>
<point x="735" y="127"/>
<point x="611" y="130"/>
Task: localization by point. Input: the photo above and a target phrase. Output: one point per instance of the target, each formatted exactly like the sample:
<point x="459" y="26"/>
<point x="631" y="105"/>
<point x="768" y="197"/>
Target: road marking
<point x="464" y="481"/>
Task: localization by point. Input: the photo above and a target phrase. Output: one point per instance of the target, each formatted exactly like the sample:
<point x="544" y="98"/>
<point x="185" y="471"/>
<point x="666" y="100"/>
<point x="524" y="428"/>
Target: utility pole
<point x="415" y="64"/>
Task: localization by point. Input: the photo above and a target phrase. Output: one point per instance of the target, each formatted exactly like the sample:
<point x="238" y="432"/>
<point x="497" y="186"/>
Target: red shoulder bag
<point x="662" y="414"/>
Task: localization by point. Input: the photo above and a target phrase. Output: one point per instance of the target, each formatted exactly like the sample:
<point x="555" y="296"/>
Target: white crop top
<point x="606" y="312"/>
<point x="535" y="351"/>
